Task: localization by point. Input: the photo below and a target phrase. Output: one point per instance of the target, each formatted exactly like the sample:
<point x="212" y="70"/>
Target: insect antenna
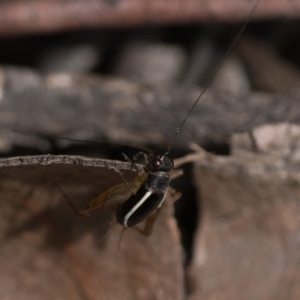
<point x="211" y="78"/>
<point x="98" y="142"/>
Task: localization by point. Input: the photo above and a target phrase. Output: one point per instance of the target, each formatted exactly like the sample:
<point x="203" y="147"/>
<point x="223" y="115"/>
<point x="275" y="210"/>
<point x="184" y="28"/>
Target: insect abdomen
<point x="139" y="206"/>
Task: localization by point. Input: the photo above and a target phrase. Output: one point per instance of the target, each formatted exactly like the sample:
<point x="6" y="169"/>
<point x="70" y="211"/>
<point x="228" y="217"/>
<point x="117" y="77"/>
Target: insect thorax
<point x="158" y="182"/>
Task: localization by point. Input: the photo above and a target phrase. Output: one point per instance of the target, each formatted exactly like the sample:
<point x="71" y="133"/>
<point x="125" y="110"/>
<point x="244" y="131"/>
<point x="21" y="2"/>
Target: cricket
<point x="142" y="199"/>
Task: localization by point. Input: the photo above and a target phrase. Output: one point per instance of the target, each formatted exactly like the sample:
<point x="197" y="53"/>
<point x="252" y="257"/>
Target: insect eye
<point x="156" y="163"/>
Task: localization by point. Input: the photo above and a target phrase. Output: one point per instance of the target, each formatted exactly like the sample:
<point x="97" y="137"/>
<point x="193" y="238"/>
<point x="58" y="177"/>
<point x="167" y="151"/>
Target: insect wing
<point x="115" y="195"/>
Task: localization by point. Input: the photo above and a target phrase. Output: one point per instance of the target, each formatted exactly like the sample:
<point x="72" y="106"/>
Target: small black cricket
<point x="141" y="199"/>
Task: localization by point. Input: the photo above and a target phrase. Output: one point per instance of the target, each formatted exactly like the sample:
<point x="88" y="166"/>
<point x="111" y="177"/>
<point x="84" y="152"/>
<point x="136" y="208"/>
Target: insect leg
<point x="150" y="222"/>
<point x="136" y="156"/>
<point x="111" y="197"/>
<point x="141" y="174"/>
<point x="124" y="180"/>
<point x="174" y="195"/>
<point x="79" y="212"/>
<point x="172" y="191"/>
<point x="175" y="173"/>
<point x="133" y="165"/>
<point x="121" y="238"/>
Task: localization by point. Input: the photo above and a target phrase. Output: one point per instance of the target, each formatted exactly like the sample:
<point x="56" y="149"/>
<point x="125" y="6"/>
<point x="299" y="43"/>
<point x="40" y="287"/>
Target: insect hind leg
<point x="124" y="180"/>
<point x="147" y="230"/>
<point x="80" y="213"/>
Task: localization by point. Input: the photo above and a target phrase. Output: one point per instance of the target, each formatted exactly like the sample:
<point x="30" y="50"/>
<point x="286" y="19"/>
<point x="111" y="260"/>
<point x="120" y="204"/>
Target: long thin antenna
<point x="96" y="142"/>
<point x="211" y="78"/>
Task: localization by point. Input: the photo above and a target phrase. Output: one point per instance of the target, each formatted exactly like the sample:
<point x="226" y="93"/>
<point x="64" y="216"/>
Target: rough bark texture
<point x="48" y="252"/>
<point x="89" y="107"/>
<point x="247" y="245"/>
<point x="43" y="16"/>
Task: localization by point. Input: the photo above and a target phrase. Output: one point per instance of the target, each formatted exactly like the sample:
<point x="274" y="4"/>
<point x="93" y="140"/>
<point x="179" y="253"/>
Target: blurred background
<point x="127" y="72"/>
